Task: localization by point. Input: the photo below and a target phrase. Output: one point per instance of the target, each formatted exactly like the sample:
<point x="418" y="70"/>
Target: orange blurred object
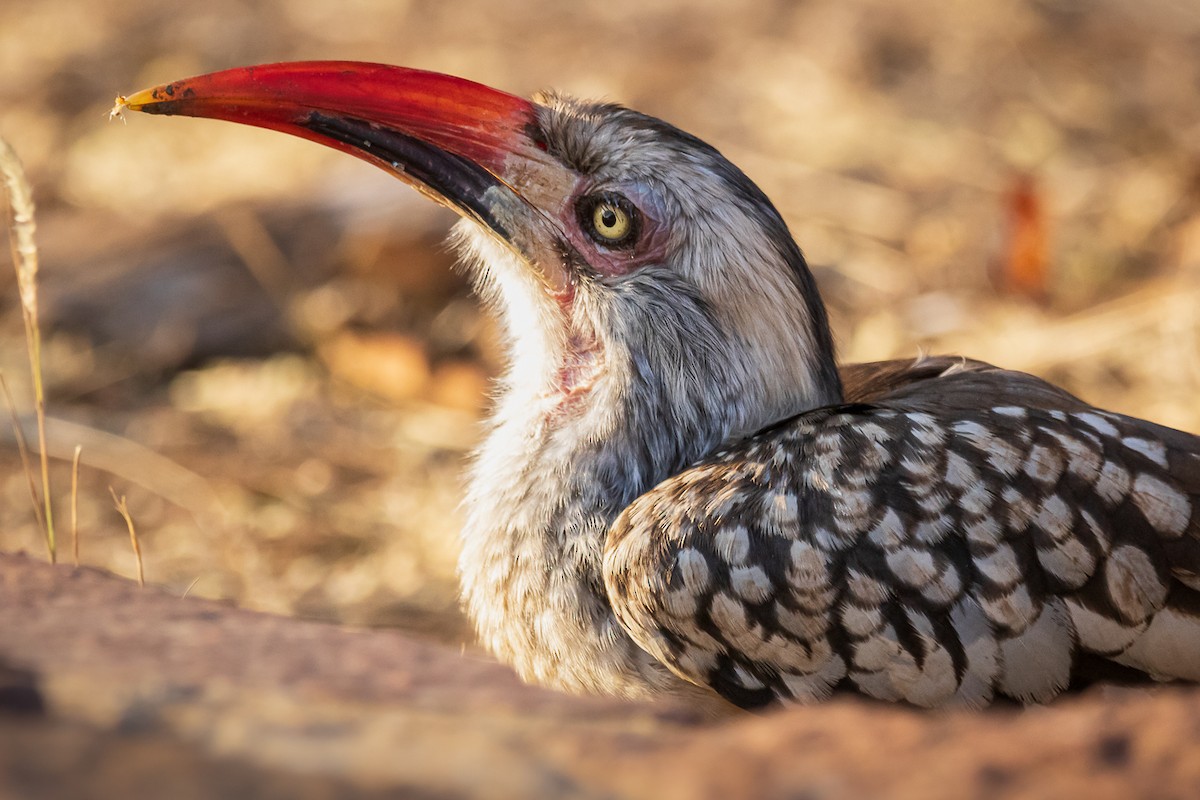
<point x="1025" y="258"/>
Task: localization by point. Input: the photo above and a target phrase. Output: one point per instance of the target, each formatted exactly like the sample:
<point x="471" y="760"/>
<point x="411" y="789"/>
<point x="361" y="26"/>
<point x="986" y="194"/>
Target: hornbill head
<point x="632" y="264"/>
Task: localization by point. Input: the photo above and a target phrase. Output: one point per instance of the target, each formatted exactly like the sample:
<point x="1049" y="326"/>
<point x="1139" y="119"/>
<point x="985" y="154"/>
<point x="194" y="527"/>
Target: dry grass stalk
<point x="75" y="503"/>
<point x="23" y="449"/>
<point x="254" y="245"/>
<point x="24" y="253"/>
<point x="123" y="510"/>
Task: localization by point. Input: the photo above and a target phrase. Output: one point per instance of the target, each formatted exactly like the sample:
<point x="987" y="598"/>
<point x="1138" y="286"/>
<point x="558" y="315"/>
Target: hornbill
<point x="679" y="491"/>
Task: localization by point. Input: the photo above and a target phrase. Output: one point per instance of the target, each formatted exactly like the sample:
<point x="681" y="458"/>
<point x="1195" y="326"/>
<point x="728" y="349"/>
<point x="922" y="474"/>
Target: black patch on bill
<point x="458" y="180"/>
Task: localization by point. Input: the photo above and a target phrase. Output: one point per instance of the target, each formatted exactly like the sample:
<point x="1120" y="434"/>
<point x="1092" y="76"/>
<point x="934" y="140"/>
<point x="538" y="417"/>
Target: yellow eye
<point x="610" y="221"/>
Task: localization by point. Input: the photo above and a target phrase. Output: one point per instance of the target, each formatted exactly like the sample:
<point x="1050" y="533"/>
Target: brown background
<point x="263" y="345"/>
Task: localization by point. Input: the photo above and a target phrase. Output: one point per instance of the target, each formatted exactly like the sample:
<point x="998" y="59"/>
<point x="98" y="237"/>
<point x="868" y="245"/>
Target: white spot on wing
<point x="829" y="541"/>
<point x="1014" y="609"/>
<point x="921" y="469"/>
<point x="1055" y="518"/>
<point x="926" y="430"/>
<point x="733" y="544"/>
<point x="1100" y="633"/>
<point x="1070" y="561"/>
<point x="693" y="569"/>
<point x="872" y="431"/>
<point x="1101" y="534"/>
<point x="884" y="668"/>
<point x="1170" y="647"/>
<point x="1097" y="423"/>
<point x="815" y="479"/>
<point x="877" y="684"/>
<point x="861" y="622"/>
<point x="878" y="651"/>
<point x="1165" y="508"/>
<point x="1037" y="663"/>
<point x="932" y="531"/>
<point x="1133" y="584"/>
<point x="1003" y="457"/>
<point x="1151" y="449"/>
<point x="959" y="471"/>
<point x="1000" y="566"/>
<point x="865" y="588"/>
<point x="815" y="686"/>
<point x="983" y="532"/>
<point x="945" y="587"/>
<point x="809" y="570"/>
<point x="696" y="662"/>
<point x="1044" y="464"/>
<point x="809" y="626"/>
<point x="680" y="603"/>
<point x="1019" y="509"/>
<point x="852" y="505"/>
<point x="933" y="502"/>
<point x="729" y="615"/>
<point x="889" y="533"/>
<point x="1082" y="461"/>
<point x="977" y="499"/>
<point x="746" y="679"/>
<point x="750" y="583"/>
<point x="936" y="681"/>
<point x="1113" y="483"/>
<point x="975" y="433"/>
<point x="782" y="512"/>
<point x="911" y="566"/>
<point x="981" y="651"/>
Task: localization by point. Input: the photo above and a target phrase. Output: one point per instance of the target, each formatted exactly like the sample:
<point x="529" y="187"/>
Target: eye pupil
<point x="611" y="221"/>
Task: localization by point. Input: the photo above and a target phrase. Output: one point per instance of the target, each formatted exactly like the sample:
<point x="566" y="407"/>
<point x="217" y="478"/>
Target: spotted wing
<point x="956" y="537"/>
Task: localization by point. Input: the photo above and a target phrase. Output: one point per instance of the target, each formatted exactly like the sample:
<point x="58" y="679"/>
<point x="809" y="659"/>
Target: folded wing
<point x="960" y="532"/>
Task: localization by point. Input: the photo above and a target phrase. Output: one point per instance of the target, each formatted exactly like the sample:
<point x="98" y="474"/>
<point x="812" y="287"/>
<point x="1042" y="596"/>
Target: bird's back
<point x="952" y="531"/>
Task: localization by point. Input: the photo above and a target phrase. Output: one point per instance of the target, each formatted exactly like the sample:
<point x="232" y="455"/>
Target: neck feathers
<point x="667" y="377"/>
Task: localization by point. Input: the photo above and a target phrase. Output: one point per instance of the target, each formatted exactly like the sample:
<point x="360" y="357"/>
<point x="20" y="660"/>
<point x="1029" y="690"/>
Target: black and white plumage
<point x="920" y="546"/>
<point x="680" y="493"/>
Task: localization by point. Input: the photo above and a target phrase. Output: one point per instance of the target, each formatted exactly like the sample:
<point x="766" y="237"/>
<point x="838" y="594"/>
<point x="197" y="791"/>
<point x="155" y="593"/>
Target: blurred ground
<point x="111" y="691"/>
<point x="263" y="345"/>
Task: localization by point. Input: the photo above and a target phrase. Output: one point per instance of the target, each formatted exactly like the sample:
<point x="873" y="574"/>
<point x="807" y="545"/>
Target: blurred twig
<point x="254" y="245"/>
<point x="138" y="464"/>
<point x="123" y="510"/>
<point x="75" y="503"/>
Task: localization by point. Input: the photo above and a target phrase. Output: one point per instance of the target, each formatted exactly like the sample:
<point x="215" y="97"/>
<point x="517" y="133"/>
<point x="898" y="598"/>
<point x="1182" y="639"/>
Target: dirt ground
<point x="263" y="345"/>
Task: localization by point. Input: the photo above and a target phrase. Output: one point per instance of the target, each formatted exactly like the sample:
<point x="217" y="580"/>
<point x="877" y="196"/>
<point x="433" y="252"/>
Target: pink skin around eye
<point x="650" y="248"/>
